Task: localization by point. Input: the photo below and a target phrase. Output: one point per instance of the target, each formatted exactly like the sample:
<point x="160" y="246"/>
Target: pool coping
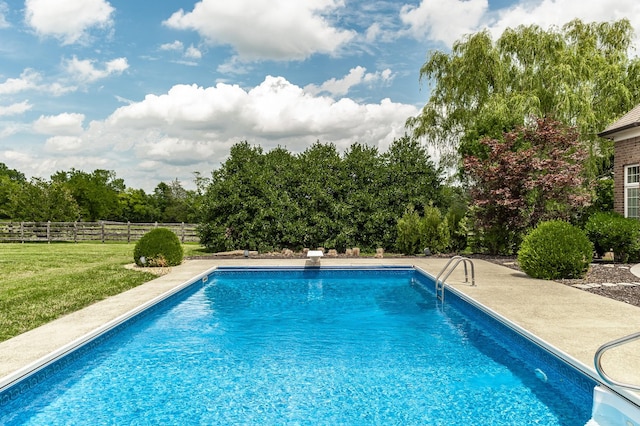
<point x="535" y="306"/>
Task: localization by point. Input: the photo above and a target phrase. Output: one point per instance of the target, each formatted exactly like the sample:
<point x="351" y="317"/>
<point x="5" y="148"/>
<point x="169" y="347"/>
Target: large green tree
<point x="96" y="193"/>
<point x="319" y="197"/>
<point x="11" y="181"/>
<point x="41" y="201"/>
<point x="580" y="74"/>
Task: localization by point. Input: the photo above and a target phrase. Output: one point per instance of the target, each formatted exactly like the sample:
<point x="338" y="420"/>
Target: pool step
<point x="610" y="409"/>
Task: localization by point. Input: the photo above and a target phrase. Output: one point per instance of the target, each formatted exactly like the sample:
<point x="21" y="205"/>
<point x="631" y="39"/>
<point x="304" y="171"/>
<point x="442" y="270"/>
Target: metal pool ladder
<point x="456" y="260"/>
<point x="598" y="360"/>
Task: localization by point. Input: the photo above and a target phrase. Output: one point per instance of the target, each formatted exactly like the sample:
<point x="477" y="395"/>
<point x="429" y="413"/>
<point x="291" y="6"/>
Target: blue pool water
<point x="306" y="347"/>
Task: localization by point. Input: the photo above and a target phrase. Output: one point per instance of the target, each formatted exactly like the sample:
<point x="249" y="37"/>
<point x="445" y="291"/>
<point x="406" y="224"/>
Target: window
<point x="632" y="191"/>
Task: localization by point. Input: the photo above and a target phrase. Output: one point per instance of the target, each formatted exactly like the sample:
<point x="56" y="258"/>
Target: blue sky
<point x="158" y="90"/>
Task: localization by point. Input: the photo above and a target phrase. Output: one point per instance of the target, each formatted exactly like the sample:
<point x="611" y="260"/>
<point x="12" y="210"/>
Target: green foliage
<point x="40" y="201"/>
<point x="159" y="247"/>
<point x="581" y="74"/>
<point x="409" y="241"/>
<point x="609" y="231"/>
<point x="434" y="230"/>
<point x="274" y="200"/>
<point x="99" y="195"/>
<point x="457" y="217"/>
<point x="532" y="174"/>
<point x="95" y="193"/>
<point x="416" y="233"/>
<point x="555" y="250"/>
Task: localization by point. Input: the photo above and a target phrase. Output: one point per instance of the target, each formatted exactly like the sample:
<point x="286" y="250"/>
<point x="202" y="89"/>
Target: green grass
<point x="41" y="282"/>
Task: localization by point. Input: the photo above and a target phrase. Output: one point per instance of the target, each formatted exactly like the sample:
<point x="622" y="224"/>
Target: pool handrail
<point x="597" y="359"/>
<point x="440" y="283"/>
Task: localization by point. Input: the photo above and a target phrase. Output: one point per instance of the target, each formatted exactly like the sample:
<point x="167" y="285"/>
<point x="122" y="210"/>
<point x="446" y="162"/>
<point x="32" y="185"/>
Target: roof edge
<point x="607" y="133"/>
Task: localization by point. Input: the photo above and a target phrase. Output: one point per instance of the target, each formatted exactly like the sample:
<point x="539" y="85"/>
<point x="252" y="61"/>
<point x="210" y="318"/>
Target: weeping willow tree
<point x="581" y="74"/>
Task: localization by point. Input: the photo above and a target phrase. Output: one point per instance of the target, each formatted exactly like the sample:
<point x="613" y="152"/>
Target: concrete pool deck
<point x="574" y="321"/>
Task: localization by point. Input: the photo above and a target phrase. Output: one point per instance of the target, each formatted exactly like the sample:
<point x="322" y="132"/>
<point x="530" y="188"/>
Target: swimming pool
<point x="306" y="346"/>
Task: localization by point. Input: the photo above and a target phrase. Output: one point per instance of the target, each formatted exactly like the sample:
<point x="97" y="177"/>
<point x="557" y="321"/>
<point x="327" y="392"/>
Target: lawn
<point x="41" y="282"/>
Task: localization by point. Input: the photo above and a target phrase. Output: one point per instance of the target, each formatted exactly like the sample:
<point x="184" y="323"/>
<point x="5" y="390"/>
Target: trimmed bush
<point x="158" y="247"/>
<point x="434" y="231"/>
<point x="612" y="231"/>
<point x="408" y="241"/>
<point x="555" y="250"/>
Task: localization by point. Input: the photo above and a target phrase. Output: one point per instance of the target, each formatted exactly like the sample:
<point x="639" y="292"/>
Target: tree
<point x="10" y="182"/>
<point x="137" y="206"/>
<point x="534" y="173"/>
<point x="580" y="74"/>
<point x="316" y="198"/>
<point x="96" y="193"/>
<point x="175" y="204"/>
<point x="12" y="174"/>
<point x="233" y="200"/>
<point x="41" y="201"/>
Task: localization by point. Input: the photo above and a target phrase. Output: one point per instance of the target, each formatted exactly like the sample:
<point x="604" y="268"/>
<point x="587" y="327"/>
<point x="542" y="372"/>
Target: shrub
<point x="612" y="231"/>
<point x="408" y="241"/>
<point x="555" y="250"/>
<point x="434" y="230"/>
<point x="416" y="233"/>
<point x="158" y="247"/>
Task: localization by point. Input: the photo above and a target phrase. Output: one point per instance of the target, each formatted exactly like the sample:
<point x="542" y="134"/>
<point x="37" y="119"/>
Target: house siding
<point x="627" y="152"/>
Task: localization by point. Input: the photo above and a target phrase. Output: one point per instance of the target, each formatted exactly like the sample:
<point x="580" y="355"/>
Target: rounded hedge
<point x="158" y="247"/>
<point x="555" y="250"/>
<point x="612" y="231"/>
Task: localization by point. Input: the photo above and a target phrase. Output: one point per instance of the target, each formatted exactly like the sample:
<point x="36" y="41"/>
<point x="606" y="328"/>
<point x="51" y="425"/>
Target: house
<point x="625" y="134"/>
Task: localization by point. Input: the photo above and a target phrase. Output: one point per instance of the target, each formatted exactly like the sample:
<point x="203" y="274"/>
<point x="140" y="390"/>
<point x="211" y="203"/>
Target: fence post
<point x="182" y="232"/>
<point x="128" y="232"/>
<point x="102" y="231"/>
<point x="48" y="232"/>
<point x="22" y="232"/>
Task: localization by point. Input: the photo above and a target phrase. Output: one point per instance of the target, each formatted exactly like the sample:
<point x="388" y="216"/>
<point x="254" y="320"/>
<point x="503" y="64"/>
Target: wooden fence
<point x="27" y="232"/>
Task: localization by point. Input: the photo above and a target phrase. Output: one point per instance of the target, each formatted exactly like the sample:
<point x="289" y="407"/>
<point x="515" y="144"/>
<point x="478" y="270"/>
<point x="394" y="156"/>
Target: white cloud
<point x="444" y="20"/>
<point x="32" y="80"/>
<point x="34" y="164"/>
<point x="63" y="144"/>
<point x="168" y="136"/>
<point x="296" y="29"/>
<point x="547" y="13"/>
<point x="433" y="19"/>
<point x="192" y="128"/>
<point x="68" y="20"/>
<point x="85" y="70"/>
<point x="15" y="109"/>
<point x="356" y="76"/>
<point x="29" y="79"/>
<point x="373" y="32"/>
<point x="193" y="53"/>
<point x="61" y="124"/>
<point x="175" y="46"/>
<point x="4" y="9"/>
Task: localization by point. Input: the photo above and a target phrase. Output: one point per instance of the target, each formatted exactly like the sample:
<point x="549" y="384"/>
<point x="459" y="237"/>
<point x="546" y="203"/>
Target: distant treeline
<point x="75" y="195"/>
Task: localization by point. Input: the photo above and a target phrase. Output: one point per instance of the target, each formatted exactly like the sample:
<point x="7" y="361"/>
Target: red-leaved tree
<point x="535" y="173"/>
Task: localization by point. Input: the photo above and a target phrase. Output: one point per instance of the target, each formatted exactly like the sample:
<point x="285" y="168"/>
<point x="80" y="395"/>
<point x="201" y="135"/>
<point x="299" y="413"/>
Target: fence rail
<point x="27" y="232"/>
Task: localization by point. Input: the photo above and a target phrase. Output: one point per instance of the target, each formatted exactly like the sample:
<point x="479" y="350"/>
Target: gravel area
<point x="606" y="279"/>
